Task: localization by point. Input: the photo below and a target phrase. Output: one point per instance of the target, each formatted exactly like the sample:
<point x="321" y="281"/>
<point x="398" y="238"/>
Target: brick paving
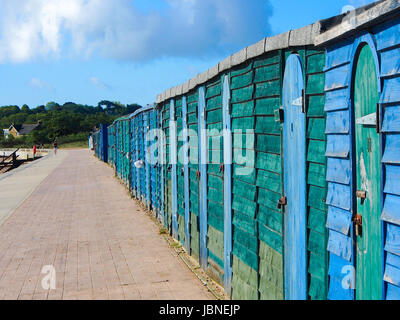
<point x="81" y="220"/>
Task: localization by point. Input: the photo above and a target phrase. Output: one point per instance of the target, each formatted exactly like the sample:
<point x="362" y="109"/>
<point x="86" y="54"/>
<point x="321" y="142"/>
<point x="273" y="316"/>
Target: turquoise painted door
<point x="294" y="155"/>
<point x="368" y="182"/>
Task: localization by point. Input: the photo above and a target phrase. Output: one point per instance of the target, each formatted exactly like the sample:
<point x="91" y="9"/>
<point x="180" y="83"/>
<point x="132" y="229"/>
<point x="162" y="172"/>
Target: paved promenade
<point x="68" y="216"/>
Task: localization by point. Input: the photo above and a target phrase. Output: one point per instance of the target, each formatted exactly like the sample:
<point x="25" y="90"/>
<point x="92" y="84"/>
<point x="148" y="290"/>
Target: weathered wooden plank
<point x="393" y="260"/>
<point x="338" y="146"/>
<point x="268" y="198"/>
<point x="245" y="222"/>
<point x="337" y="100"/>
<point x="393" y="292"/>
<point x="270" y="218"/>
<point x="338" y="266"/>
<point x="340" y="245"/>
<point x="316" y="197"/>
<point x="339" y="195"/>
<point x="243" y="94"/>
<point x="242" y="80"/>
<point x="269" y="161"/>
<point x="392" y="149"/>
<point x="214" y="103"/>
<point x="266" y="106"/>
<point x="315" y="63"/>
<point x="316" y="242"/>
<point x="337" y="78"/>
<point x="245" y="239"/>
<point x="317" y="266"/>
<point x="268" y="89"/>
<point x="248" y="257"/>
<point x="316" y="128"/>
<point x="391" y="120"/>
<point x="315" y="83"/>
<point x="213" y="90"/>
<point x="392" y="244"/>
<point x="269" y="180"/>
<point x="244" y="206"/>
<point x="244" y="109"/>
<point x="271" y="238"/>
<point x="392" y="275"/>
<point x="390" y="62"/>
<point x="337" y="292"/>
<point x="392" y="184"/>
<point x="243" y="124"/>
<point x="271" y="72"/>
<point x="316" y="106"/>
<point x="271" y="58"/>
<point x="339" y="170"/>
<point x="387" y="37"/>
<point x="339" y="220"/>
<point x="242" y="70"/>
<point x="245" y="190"/>
<point x="267" y="125"/>
<point x="316" y="175"/>
<point x="317" y="220"/>
<point x="338" y="122"/>
<point x="316" y="151"/>
<point x="268" y="143"/>
<point x="391" y="90"/>
<point x="338" y="54"/>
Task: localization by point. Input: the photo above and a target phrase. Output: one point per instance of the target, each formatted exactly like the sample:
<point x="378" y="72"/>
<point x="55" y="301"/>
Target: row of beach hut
<point x="279" y="168"/>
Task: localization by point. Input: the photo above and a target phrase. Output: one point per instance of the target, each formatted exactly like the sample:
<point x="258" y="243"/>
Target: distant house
<point x="23" y="130"/>
<point x="6" y="133"/>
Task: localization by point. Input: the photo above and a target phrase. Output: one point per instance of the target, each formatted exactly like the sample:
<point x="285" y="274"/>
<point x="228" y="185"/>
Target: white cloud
<point x="36" y="83"/>
<point x="97" y="82"/>
<point x="31" y="29"/>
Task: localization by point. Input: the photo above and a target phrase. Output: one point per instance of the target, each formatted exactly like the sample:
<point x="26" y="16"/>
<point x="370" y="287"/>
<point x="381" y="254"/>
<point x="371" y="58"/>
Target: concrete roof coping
<point x="202" y="77"/>
<point x="179" y="89"/>
<point x="256" y="50"/>
<point x="225" y="64"/>
<point x="277" y="42"/>
<point x="302" y="36"/>
<point x="356" y="19"/>
<point x="185" y="87"/>
<point x="192" y="83"/>
<point x="213" y="72"/>
<point x="239" y="57"/>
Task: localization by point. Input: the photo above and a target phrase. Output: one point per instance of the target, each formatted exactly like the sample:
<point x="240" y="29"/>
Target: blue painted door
<point x="294" y="155"/>
<point x="226" y="119"/>
<point x="174" y="161"/>
<point x="186" y="173"/>
<point x="203" y="178"/>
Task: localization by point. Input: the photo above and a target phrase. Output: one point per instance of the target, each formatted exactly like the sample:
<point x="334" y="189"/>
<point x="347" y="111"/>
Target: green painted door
<point x="367" y="142"/>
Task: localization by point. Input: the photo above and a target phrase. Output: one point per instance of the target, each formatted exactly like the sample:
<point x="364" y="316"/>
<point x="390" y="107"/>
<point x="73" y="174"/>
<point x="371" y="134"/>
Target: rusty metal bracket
<point x="282" y="202"/>
<point x="198" y="174"/>
<point x="221" y="168"/>
<point x="358" y="223"/>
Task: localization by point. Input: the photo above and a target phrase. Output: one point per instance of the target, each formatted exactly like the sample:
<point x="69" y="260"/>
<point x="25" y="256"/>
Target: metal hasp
<point x="185" y="172"/>
<point x="294" y="158"/>
<point x="174" y="161"/>
<point x="226" y="168"/>
<point x="203" y="178"/>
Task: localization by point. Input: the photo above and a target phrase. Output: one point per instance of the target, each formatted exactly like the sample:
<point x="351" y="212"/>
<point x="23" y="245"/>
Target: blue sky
<point x="131" y="50"/>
